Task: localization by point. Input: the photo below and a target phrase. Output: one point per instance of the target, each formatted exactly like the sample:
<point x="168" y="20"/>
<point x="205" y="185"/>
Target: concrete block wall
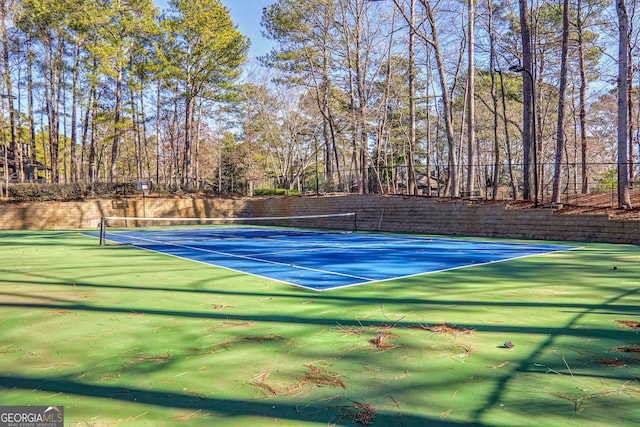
<point x="374" y="213"/>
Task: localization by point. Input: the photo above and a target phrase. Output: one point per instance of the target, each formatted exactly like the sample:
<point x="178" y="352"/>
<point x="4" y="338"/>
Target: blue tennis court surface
<point x="323" y="261"/>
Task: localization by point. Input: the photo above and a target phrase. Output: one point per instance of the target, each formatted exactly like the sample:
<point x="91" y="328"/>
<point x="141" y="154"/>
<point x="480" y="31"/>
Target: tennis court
<point x="323" y="260"/>
<point x="123" y="336"/>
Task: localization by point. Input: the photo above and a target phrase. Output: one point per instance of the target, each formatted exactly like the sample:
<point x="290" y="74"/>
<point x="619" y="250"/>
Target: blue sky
<point x="246" y="14"/>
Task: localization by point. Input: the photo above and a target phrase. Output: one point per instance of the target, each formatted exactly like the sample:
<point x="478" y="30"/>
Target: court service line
<point x="319" y="246"/>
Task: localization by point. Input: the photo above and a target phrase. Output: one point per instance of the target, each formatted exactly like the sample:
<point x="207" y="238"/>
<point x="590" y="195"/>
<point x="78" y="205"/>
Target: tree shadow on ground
<point x="227" y="408"/>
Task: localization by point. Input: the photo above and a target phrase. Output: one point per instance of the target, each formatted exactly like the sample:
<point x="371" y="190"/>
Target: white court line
<point x="241" y="257"/>
<point x="320" y="246"/>
<point x="458" y="267"/>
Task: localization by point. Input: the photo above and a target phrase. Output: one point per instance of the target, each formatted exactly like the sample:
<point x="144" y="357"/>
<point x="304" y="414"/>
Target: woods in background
<point x="507" y="99"/>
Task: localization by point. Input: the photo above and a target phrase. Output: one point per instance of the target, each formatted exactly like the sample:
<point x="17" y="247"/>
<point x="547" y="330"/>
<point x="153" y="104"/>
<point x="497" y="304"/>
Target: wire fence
<point x="601" y="192"/>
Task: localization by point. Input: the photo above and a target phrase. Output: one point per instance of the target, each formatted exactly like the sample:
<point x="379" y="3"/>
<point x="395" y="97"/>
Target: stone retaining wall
<point x="374" y="212"/>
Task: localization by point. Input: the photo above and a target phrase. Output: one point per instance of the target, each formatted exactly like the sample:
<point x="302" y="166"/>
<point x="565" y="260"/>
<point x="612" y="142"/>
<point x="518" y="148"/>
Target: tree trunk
<point x="507" y="141"/>
<point x="495" y="179"/>
<point x="630" y="107"/>
<point x="452" y="183"/>
<point x="53" y="98"/>
<point x="92" y="110"/>
<point x="381" y="168"/>
<point x="88" y="165"/>
<point x="471" y="124"/>
<point x="528" y="115"/>
<point x="158" y="106"/>
<point x="362" y="118"/>
<point x="74" y="107"/>
<point x="624" y="197"/>
<point x="560" y="141"/>
<point x="143" y="131"/>
<point x="322" y="89"/>
<point x="32" y="125"/>
<point x="428" y="128"/>
<point x="186" y="173"/>
<point x="584" y="189"/>
<point x="411" y="174"/>
<point x="357" y="114"/>
<point x="85" y="173"/>
<point x="113" y="173"/>
<point x="16" y="147"/>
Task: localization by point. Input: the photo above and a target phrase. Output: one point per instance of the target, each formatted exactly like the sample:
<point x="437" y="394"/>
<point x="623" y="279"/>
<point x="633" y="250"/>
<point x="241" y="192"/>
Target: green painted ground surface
<point x="120" y="336"/>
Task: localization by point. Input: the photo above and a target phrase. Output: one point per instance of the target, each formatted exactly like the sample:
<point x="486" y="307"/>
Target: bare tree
<point x="411" y="20"/>
<point x="434" y="41"/>
<point x="494" y="98"/>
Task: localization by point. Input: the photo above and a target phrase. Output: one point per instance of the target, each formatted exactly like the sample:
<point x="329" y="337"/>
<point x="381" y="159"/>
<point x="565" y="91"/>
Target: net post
<point x="355" y="222"/>
<point x="103" y="225"/>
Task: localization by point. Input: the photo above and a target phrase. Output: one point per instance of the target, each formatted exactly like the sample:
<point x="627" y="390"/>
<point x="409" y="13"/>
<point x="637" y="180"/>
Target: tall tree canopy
<point x="356" y="95"/>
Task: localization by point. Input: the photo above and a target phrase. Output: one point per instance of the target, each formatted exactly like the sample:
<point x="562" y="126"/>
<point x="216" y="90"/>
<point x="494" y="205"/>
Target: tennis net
<point x="132" y="230"/>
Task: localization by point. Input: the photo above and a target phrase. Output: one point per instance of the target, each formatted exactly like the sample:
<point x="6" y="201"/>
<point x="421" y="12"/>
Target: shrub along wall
<point x="374" y="213"/>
